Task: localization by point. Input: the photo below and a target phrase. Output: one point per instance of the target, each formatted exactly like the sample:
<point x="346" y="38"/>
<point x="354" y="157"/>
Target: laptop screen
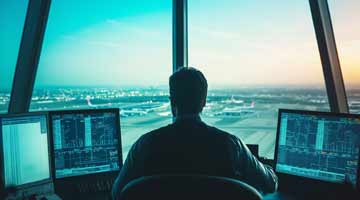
<point x="24" y="142"/>
<point x="86" y="142"/>
<point x="318" y="145"/>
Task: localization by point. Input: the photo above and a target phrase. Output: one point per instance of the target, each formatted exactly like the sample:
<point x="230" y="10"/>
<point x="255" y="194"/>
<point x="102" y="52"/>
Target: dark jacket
<point x="191" y="146"/>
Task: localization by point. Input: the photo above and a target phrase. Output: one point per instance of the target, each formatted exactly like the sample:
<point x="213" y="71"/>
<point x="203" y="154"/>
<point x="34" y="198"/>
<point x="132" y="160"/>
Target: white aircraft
<point x="132" y="113"/>
<point x="232" y="100"/>
<point x="237" y="111"/>
<point x="88" y="99"/>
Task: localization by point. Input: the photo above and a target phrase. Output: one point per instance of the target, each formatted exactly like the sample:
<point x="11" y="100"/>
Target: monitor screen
<point x="85" y="142"/>
<point x="320" y="146"/>
<point x="25" y="155"/>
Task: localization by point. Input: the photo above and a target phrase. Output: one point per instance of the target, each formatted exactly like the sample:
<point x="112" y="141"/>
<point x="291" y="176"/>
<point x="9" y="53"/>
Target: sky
<point x="12" y="16"/>
<point x="345" y="17"/>
<point x="253" y="42"/>
<point x="129" y="42"/>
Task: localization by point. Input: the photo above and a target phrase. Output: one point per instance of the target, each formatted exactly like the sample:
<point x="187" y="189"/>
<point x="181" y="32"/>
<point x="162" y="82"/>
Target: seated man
<point x="190" y="146"/>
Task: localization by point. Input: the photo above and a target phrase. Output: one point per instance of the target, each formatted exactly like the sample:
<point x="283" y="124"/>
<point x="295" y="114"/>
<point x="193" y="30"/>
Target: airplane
<point x="140" y="109"/>
<point x="88" y="99"/>
<point x="132" y="113"/>
<point x="237" y="111"/>
<point x="232" y="100"/>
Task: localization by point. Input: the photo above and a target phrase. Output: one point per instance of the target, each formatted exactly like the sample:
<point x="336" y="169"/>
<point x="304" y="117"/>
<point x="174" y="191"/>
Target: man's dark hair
<point x="188" y="90"/>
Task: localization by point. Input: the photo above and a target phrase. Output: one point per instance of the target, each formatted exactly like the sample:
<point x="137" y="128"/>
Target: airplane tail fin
<point x="252" y="104"/>
<point x="88" y="101"/>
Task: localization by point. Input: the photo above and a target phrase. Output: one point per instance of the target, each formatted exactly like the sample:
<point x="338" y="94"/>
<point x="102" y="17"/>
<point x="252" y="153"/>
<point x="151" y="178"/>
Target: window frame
<point x="28" y="57"/>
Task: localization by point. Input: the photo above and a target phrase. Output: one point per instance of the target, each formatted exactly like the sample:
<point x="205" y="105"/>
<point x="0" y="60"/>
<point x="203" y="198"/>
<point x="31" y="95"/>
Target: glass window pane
<point x="258" y="56"/>
<point x="113" y="54"/>
<point x="345" y="18"/>
<point x="12" y="18"/>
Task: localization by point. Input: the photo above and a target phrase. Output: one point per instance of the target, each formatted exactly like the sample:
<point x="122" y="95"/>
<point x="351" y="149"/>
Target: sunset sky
<point x="129" y="42"/>
<point x="346" y="17"/>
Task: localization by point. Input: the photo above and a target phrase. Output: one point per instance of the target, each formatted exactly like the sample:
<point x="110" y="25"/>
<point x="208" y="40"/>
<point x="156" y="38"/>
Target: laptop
<point x="318" y="146"/>
<point x="24" y="157"/>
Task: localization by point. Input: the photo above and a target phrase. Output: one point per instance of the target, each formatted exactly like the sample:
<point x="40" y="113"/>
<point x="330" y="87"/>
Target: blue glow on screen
<point x="319" y="147"/>
<point x="25" y="149"/>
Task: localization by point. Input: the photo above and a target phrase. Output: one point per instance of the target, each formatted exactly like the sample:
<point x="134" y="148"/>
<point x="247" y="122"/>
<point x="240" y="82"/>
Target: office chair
<point x="189" y="186"/>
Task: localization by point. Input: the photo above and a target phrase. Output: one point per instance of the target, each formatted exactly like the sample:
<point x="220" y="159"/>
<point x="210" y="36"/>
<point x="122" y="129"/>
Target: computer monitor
<point x="85" y="142"/>
<point x="24" y="149"/>
<point x="318" y="145"/>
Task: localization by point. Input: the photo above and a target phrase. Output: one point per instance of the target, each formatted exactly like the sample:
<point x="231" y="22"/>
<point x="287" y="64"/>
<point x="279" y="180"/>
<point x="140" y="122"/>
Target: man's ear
<point x="203" y="103"/>
<point x="172" y="101"/>
<point x="173" y="106"/>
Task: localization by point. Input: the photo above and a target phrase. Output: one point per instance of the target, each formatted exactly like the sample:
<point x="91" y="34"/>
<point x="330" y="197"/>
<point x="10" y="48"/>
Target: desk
<point x="279" y="196"/>
<point x="287" y="196"/>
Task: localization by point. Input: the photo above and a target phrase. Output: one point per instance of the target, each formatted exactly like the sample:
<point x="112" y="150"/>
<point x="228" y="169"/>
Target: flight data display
<point x="85" y="143"/>
<point x="25" y="149"/>
<point x="319" y="146"/>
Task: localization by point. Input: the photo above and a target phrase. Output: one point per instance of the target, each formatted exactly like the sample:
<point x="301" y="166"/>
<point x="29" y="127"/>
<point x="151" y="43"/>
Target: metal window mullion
<point x="180" y="34"/>
<point x="329" y="56"/>
<point x="28" y="57"/>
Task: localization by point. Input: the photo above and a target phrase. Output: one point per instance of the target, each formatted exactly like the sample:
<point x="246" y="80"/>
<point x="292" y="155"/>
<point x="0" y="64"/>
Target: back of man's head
<point x="188" y="90"/>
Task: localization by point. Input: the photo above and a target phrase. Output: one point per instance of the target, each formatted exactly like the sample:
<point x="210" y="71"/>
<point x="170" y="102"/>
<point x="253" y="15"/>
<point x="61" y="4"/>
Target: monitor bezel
<point x="319" y="113"/>
<point x="2" y="167"/>
<point x="116" y="111"/>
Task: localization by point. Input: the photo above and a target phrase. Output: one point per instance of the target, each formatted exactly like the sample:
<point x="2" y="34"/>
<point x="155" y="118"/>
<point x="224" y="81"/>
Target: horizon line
<point x="216" y="86"/>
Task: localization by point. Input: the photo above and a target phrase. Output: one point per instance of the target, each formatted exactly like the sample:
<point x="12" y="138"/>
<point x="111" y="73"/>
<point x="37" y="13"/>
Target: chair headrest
<point x="188" y="186"/>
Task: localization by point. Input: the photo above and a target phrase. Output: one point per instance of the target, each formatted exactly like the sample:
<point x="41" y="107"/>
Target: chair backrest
<point x="188" y="187"/>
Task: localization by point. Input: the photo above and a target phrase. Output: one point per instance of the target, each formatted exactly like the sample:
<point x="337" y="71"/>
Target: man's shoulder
<point x="172" y="128"/>
<point x="145" y="139"/>
<point x="221" y="132"/>
<point x="229" y="138"/>
<point x="157" y="132"/>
